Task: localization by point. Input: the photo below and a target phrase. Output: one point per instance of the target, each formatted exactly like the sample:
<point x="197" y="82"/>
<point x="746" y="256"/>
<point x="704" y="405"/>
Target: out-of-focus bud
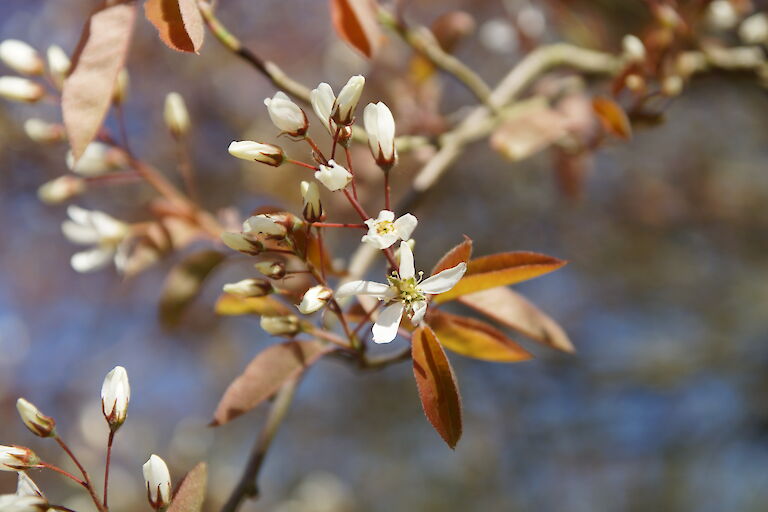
<point x="16" y="88"/>
<point x="58" y="64"/>
<point x="37" y="422"/>
<point x="20" y="57"/>
<point x="97" y="159"/>
<point x="15" y="503"/>
<point x="266" y="225"/>
<point x="380" y="126"/>
<point x="17" y="458"/>
<point x="61" y="189"/>
<point x="175" y="114"/>
<point x="257" y="152"/>
<point x="754" y="30"/>
<point x="43" y="131"/>
<point x="333" y="176"/>
<point x="249" y="288"/>
<point x="287" y="115"/>
<point x="315" y="299"/>
<point x="633" y="47"/>
<point x="158" y="481"/>
<point x="344" y="106"/>
<point x="239" y="242"/>
<point x="271" y="269"/>
<point x="287" y="325"/>
<point x="667" y="16"/>
<point x="121" y="87"/>
<point x="672" y="86"/>
<point x="722" y="15"/>
<point x="635" y="83"/>
<point x="313" y="208"/>
<point x="115" y="395"/>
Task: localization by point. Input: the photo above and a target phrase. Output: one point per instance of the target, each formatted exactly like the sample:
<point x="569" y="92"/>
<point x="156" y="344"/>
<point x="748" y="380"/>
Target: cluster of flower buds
<point x="157" y="479"/>
<point x="115" y="395"/>
<point x="24" y="60"/>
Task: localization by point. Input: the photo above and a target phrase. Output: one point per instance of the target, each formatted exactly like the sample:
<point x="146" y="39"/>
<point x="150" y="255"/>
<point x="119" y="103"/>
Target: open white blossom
<point x="333" y="176"/>
<point x="15" y="503"/>
<point x="403" y="293"/>
<point x="158" y="482"/>
<point x="344" y="106"/>
<point x="315" y="299"/>
<point x="380" y="126"/>
<point x="286" y="115"/>
<point x="384" y="230"/>
<point x="115" y="395"/>
<point x="103" y="233"/>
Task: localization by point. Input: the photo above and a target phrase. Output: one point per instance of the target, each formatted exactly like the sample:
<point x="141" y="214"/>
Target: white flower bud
<point x="175" y="114"/>
<point x="58" y="64"/>
<point x="380" y="126"/>
<point x="672" y="85"/>
<point x="16" y="88"/>
<point x="271" y="269"/>
<point x="158" y="482"/>
<point x="121" y="87"/>
<point x="37" y="422"/>
<point x="249" y="288"/>
<point x="315" y="299"/>
<point x="95" y="161"/>
<point x="20" y="57"/>
<point x="344" y="107"/>
<point x="43" y="131"/>
<point x="333" y="176"/>
<point x="14" y="503"/>
<point x="322" y="99"/>
<point x="257" y="152"/>
<point x="722" y="15"/>
<point x="238" y="242"/>
<point x="264" y="224"/>
<point x="634" y="49"/>
<point x="287" y="115"/>
<point x="16" y="458"/>
<point x="313" y="208"/>
<point x="281" y="325"/>
<point x="754" y="30"/>
<point x="61" y="189"/>
<point x="115" y="395"/>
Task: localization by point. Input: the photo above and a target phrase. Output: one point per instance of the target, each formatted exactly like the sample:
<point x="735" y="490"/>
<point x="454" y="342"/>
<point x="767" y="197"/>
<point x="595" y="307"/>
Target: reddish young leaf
<point x="500" y="270"/>
<point x="190" y="495"/>
<point x="462" y="252"/>
<point x="613" y="117"/>
<point x="269" y="370"/>
<point x="100" y="55"/>
<point x="355" y="22"/>
<point x="473" y="338"/>
<point x="437" y="386"/>
<point x="178" y="22"/>
<point x="513" y="310"/>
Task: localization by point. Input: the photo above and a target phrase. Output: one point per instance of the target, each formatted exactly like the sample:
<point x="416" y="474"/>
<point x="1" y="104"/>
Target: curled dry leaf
<point x="100" y="55"/>
<point x="184" y="283"/>
<point x="265" y="374"/>
<point x="356" y="23"/>
<point x="190" y="495"/>
<point x="458" y="254"/>
<point x="612" y="117"/>
<point x="178" y="22"/>
<point x="438" y="390"/>
<point x="473" y="338"/>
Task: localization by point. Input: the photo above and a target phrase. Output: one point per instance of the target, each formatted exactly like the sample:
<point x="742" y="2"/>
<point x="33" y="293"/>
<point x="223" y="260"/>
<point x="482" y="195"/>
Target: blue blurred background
<point x="664" y="407"/>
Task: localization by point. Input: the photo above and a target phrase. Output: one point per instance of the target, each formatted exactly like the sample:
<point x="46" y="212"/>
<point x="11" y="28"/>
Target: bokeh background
<point x="664" y="407"/>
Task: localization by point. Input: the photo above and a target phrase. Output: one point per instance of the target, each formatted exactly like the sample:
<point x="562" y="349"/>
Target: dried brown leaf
<point x="356" y="23"/>
<point x="178" y="23"/>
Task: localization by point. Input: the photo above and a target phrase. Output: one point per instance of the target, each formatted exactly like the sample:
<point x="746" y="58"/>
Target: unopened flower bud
<point x="344" y="107"/>
<point x="313" y="208"/>
<point x="61" y="189"/>
<point x="16" y="503"/>
<point x="58" y="64"/>
<point x="121" y="87"/>
<point x="287" y="115"/>
<point x="754" y="30"/>
<point x="266" y="225"/>
<point x="249" y="288"/>
<point x="722" y="15"/>
<point x="97" y="159"/>
<point x="667" y="16"/>
<point x="115" y="395"/>
<point x="271" y="269"/>
<point x="239" y="242"/>
<point x="315" y="299"/>
<point x="16" y="88"/>
<point x="380" y="126"/>
<point x="37" y="422"/>
<point x="175" y="114"/>
<point x="43" y="131"/>
<point x="20" y="57"/>
<point x="635" y="83"/>
<point x="333" y="176"/>
<point x="287" y="325"/>
<point x="158" y="481"/>
<point x="257" y="152"/>
<point x="17" y="458"/>
<point x="672" y="86"/>
<point x="322" y="99"/>
<point x="634" y="49"/>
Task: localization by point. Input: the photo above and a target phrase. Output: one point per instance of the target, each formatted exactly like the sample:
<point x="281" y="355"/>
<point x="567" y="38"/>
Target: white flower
<point x="95" y="160"/>
<point x="20" y="57"/>
<point x="385" y="230"/>
<point x="286" y="115"/>
<point x="97" y="229"/>
<point x="61" y="189"/>
<point x="249" y="288"/>
<point x="403" y="293"/>
<point x="333" y="176"/>
<point x="15" y="458"/>
<point x="115" y="395"/>
<point x="380" y="126"/>
<point x="16" y="88"/>
<point x="58" y="64"/>
<point x="15" y="503"/>
<point x="722" y="15"/>
<point x="286" y="325"/>
<point x="158" y="481"/>
<point x="37" y="422"/>
<point x="344" y="106"/>
<point x="257" y="152"/>
<point x="175" y="114"/>
<point x="264" y="224"/>
<point x="322" y="99"/>
<point x="315" y="299"/>
<point x="754" y="30"/>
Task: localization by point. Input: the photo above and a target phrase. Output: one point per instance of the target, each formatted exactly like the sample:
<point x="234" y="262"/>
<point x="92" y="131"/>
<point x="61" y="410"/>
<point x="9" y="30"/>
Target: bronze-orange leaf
<point x="178" y="23"/>
<point x="458" y="254"/>
<point x="473" y="338"/>
<point x="613" y="117"/>
<point x="355" y="22"/>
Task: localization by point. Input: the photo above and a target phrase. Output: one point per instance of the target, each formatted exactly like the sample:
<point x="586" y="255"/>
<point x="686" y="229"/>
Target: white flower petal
<point x="385" y="328"/>
<point x="378" y="290"/>
<point x="79" y="234"/>
<point x="92" y="259"/>
<point x="406" y="261"/>
<point x="386" y="215"/>
<point x="79" y="215"/>
<point x="443" y="281"/>
<point x="405" y="225"/>
<point x="379" y="241"/>
<point x="419" y="310"/>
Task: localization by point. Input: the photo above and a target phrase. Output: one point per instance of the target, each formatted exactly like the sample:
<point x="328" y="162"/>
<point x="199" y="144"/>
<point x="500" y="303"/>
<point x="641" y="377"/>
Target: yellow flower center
<point x="408" y="291"/>
<point x="385" y="227"/>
